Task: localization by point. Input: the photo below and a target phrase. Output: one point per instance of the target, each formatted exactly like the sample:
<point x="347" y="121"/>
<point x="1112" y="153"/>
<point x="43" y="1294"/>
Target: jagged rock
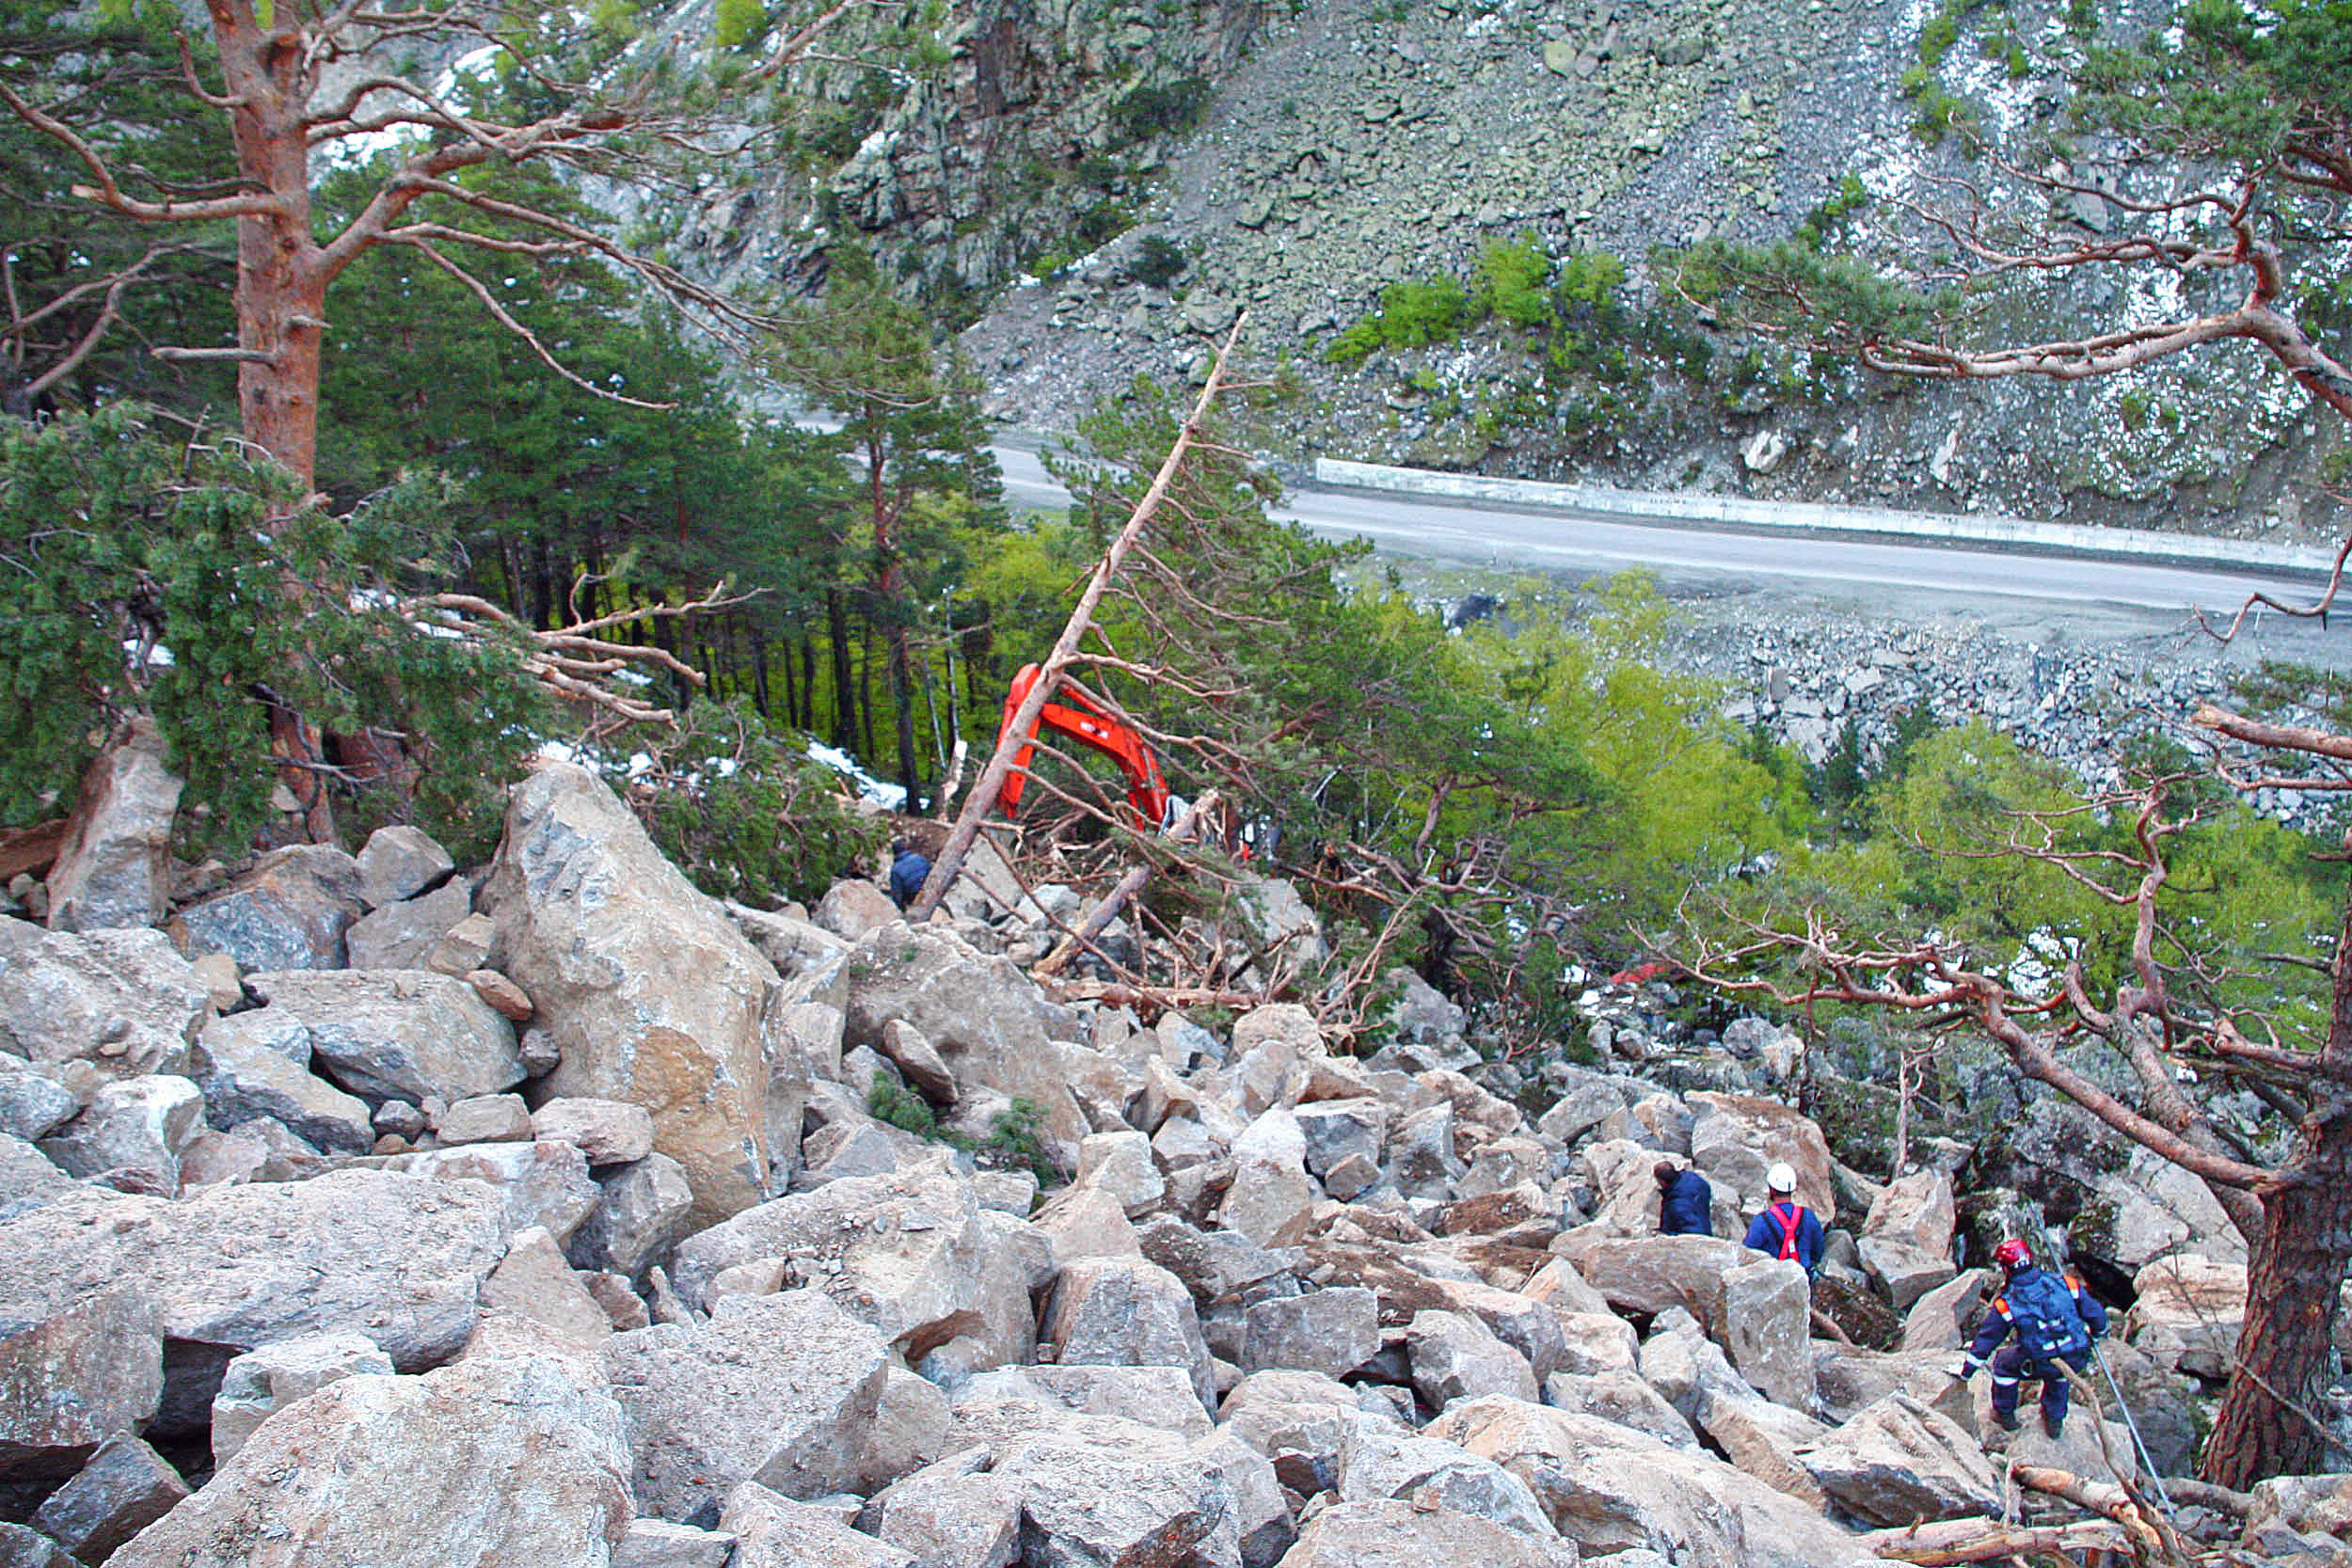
<point x="853" y="909"/>
<point x="1647" y="1275"/>
<point x="132" y="1124"/>
<point x="1336" y="1129"/>
<point x="1596" y="1344"/>
<point x="463" y="948"/>
<point x="1528" y="1327"/>
<point x="1214" y="1264"/>
<point x="1454" y="1356"/>
<point x="1160" y="1397"/>
<point x="22" y="1546"/>
<point x="658" y="1544"/>
<point x="647" y="1205"/>
<point x="1736" y="1137"/>
<point x="907" y="1252"/>
<point x="32" y="1104"/>
<point x="772" y="1531"/>
<point x="1279" y="923"/>
<point x="606" y="1131"/>
<point x="544" y="1184"/>
<point x="1906" y="1239"/>
<point x="1420" y="1155"/>
<point x="647" y="989"/>
<point x="264" y="1381"/>
<point x="487" y="1118"/>
<point x="1850" y="1379"/>
<point x="1088" y="1224"/>
<point x="1119" y="1166"/>
<point x="1128" y="1312"/>
<point x="405" y="935"/>
<point x="290" y="911"/>
<point x="2188" y="1313"/>
<point x="395" y="1257"/>
<point x="1766" y="1440"/>
<point x="74" y="1376"/>
<point x="503" y="996"/>
<point x="2159" y="1209"/>
<point x="1096" y="1490"/>
<point x="256" y="1064"/>
<point x="1766" y="1326"/>
<point x="779" y="1389"/>
<point x="1379" y="1464"/>
<point x="534" y="1285"/>
<point x="1686" y="1368"/>
<point x="1898" y="1461"/>
<point x="2316" y="1505"/>
<point x="509" y="1459"/>
<point x="921" y="1066"/>
<point x="950" y="1515"/>
<point x="1623" y="1398"/>
<point x="1271" y="1199"/>
<point x="125" y="1487"/>
<point x="124" y="1001"/>
<point x="1303" y="1422"/>
<point x="400" y="1034"/>
<point x="1610" y="1489"/>
<point x="1945" y="1317"/>
<point x="1398" y="1534"/>
<point x="114" y="868"/>
<point x="1587" y="1100"/>
<point x="796" y="948"/>
<point x="986" y="1019"/>
<point x="1558" y="1285"/>
<point x="1332" y="1332"/>
<point x="398" y="861"/>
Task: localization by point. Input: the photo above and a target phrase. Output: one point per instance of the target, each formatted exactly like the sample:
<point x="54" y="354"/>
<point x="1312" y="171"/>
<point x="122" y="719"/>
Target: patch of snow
<point x="891" y="795"/>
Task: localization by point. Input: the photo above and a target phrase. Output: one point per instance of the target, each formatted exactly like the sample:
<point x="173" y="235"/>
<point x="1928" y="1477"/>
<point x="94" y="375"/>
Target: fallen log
<point x="1098" y="919"/>
<point x="1953" y="1541"/>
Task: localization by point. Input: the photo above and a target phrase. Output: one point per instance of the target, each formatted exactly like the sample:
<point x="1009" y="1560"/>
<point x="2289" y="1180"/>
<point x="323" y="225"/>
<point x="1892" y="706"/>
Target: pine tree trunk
<point x="844" y="698"/>
<point x="902" y="700"/>
<point x="865" y="693"/>
<point x="759" y="672"/>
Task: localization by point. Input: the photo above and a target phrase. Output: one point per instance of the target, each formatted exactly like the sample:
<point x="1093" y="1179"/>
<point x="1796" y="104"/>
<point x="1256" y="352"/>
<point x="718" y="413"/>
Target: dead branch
<point x="1962" y="1541"/>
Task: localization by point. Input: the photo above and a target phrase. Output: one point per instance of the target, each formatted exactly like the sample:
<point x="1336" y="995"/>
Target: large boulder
<point x="1271" y="1201"/>
<point x="1400" y="1534"/>
<point x="32" y="1103"/>
<point x="1332" y="1332"/>
<point x="398" y="861"/>
<point x="123" y="1000"/>
<point x="115" y="866"/>
<point x="544" y="1184"/>
<point x="397" y="1034"/>
<point x="643" y="985"/>
<point x="1906" y="1241"/>
<point x="779" y="1389"/>
<point x="953" y="1513"/>
<point x="405" y="935"/>
<point x="1768" y="1329"/>
<point x="291" y="910"/>
<point x="1159" y="1397"/>
<point x="1128" y="1312"/>
<point x="988" y="1021"/>
<point x="1611" y="1489"/>
<point x="1899" y="1461"/>
<point x="1379" y="1464"/>
<point x="2188" y="1313"/>
<point x="397" y="1258"/>
<point x="1648" y="1274"/>
<point x="134" y="1124"/>
<point x="264" y="1381"/>
<point x="1455" y="1357"/>
<point x="1736" y="1138"/>
<point x="1094" y="1489"/>
<point x="500" y="1460"/>
<point x="647" y="1206"/>
<point x="124" y="1488"/>
<point x="256" y="1064"/>
<point x="83" y="1371"/>
<point x="772" y="1531"/>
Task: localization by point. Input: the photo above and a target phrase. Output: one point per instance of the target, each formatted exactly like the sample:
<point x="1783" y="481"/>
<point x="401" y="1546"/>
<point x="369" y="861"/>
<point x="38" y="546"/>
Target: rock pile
<point x="308" y="1264"/>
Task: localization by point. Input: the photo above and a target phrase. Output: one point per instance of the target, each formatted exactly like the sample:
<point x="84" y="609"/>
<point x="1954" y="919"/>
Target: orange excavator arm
<point x="1082" y="721"/>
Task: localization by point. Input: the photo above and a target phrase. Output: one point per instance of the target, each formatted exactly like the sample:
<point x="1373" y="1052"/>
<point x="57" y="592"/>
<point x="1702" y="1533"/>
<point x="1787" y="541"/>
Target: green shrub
<point x="890" y="1102"/>
<point x="738" y="22"/>
<point x="1158" y="263"/>
<point x="1017" y="1139"/>
<point x="1411" y="315"/>
<point x="1512" y="281"/>
<point x="1169" y="110"/>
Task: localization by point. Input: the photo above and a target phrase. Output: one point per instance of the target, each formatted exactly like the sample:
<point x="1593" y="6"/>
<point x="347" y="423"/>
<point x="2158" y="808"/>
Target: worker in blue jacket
<point x="1787" y="1228"/>
<point x="1685" y="1204"/>
<point x="909" y="870"/>
<point x="2054" y="1320"/>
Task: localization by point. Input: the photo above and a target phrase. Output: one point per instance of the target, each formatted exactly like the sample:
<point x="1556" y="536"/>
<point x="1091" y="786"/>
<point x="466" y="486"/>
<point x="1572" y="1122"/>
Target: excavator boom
<point x="1083" y="722"/>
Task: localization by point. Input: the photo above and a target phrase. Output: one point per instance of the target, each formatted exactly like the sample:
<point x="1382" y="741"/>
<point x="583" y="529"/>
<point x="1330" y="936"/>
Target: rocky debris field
<point x="370" y="1210"/>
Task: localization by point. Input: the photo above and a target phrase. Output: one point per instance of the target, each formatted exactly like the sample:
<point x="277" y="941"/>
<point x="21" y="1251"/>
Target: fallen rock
<point x="1086" y="1223"/>
<point x="1648" y="1274"/>
<point x="647" y="990"/>
<point x="534" y="1285"/>
<point x="658" y="1544"/>
<point x="124" y="1001"/>
<point x="22" y="1546"/>
<point x="402" y="1033"/>
<point x="1898" y="1461"/>
<point x="138" y="1124"/>
<point x="1767" y="1441"/>
<point x="1163" y="1398"/>
<point x="539" y="1185"/>
<point x="1623" y="1398"/>
<point x="1096" y="1490"/>
<point x="951" y="1514"/>
<point x="125" y="1487"/>
<point x="290" y="911"/>
<point x="1945" y="1317"/>
<point x="485" y="1119"/>
<point x="1430" y="1474"/>
<point x="1332" y="1332"/>
<point x="503" y="1459"/>
<point x="1271" y="1199"/>
<point x="779" y="1389"/>
<point x="406" y="935"/>
<point x="256" y="1064"/>
<point x="647" y="1206"/>
<point x="606" y="1131"/>
<point x="264" y="1381"/>
<point x="1736" y="1137"/>
<point x="398" y="861"/>
<point x="1768" y="1329"/>
<point x="91" y="1369"/>
<point x="32" y="1104"/>
<point x="114" y="868"/>
<point x="773" y="1531"/>
<point x="1610" y="1489"/>
<point x="1400" y="1534"/>
<point x="2188" y="1313"/>
<point x="1454" y="1356"/>
<point x="1128" y="1312"/>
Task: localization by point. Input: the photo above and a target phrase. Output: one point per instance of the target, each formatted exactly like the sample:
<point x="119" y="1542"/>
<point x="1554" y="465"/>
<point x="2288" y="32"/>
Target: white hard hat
<point x="1782" y="1178"/>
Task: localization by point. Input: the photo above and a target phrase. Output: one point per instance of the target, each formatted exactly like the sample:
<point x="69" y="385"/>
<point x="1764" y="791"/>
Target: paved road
<point x="1562" y="541"/>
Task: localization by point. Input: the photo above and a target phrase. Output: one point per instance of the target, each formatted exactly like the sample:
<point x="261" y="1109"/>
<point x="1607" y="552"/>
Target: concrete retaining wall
<point x="1740" y="512"/>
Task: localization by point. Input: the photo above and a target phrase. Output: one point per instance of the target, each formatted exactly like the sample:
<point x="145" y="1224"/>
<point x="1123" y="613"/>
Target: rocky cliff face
<point x="1345" y="146"/>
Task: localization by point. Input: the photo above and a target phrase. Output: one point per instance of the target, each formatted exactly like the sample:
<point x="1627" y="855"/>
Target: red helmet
<point x="2012" y="1254"/>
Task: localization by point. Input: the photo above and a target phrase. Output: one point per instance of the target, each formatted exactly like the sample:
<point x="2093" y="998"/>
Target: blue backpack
<point x="2041" y="1309"/>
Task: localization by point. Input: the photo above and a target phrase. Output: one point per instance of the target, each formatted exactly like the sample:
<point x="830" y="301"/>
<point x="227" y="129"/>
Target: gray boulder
<point x="606" y="1131"/>
<point x="398" y="861"/>
<point x="124" y="1001"/>
<point x="255" y="1064"/>
<point x="1623" y="1398"/>
<point x="542" y="1184"/>
<point x="1454" y="1356"/>
<point x="517" y="1458"/>
<point x="1332" y="1332"/>
<point x="125" y="1487"/>
<point x="647" y="990"/>
<point x="952" y="1514"/>
<point x="772" y="1531"/>
<point x="647" y="1206"/>
<point x="485" y="1119"/>
<point x="1271" y="1201"/>
<point x="1766" y="1326"/>
<point x="290" y="911"/>
<point x="1428" y="1473"/>
<point x="22" y="1546"/>
<point x="1400" y="1534"/>
<point x="1159" y="1397"/>
<point x="264" y="1381"/>
<point x="32" y="1104"/>
<point x="779" y="1389"/>
<point x="405" y="935"/>
<point x="401" y="1034"/>
<point x="1899" y="1461"/>
<point x="139" y="1124"/>
<point x="1128" y="1312"/>
<point x="658" y="1544"/>
<point x="114" y="868"/>
<point x="74" y="1375"/>
<point x="1096" y="1490"/>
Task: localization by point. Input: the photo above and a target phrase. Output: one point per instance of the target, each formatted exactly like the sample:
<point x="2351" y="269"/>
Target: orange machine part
<point x="1082" y="721"/>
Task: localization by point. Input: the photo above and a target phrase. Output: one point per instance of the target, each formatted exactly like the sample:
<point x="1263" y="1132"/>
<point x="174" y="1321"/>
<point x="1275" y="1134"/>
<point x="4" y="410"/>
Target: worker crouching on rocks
<point x="1685" y="1204"/>
<point x="2054" y="1320"/>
